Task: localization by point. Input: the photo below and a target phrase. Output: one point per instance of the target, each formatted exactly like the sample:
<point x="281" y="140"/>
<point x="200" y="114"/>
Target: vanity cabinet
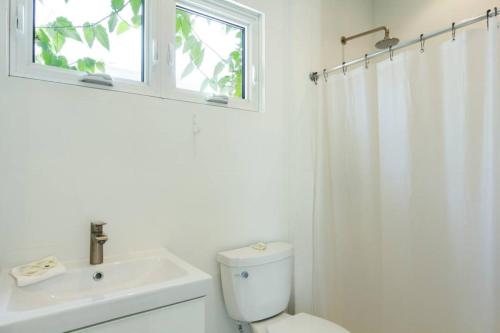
<point x="186" y="317"/>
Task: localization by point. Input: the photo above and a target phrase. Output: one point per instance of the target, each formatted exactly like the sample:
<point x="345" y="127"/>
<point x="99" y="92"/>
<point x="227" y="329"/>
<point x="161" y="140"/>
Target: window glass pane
<point x="210" y="54"/>
<point x="95" y="36"/>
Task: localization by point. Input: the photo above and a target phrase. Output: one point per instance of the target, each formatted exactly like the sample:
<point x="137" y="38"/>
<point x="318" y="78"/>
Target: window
<point x="90" y="36"/>
<point x="210" y="54"/>
<point x="202" y="51"/>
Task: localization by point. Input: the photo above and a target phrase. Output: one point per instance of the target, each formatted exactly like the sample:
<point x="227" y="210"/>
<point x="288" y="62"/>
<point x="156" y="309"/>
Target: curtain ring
<point x="344" y="68"/>
<point x="496" y="14"/>
<point x="391" y="53"/>
<point x="325" y="75"/>
<point x="453" y="31"/>
<point x="422" y="43"/>
<point x="366" y="60"/>
<point x="488" y="19"/>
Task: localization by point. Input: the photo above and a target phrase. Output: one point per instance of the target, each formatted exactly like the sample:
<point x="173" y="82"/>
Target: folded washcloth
<point x="37" y="271"/>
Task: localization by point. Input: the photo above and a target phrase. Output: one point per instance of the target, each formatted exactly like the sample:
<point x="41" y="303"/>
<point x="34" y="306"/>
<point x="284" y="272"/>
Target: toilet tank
<point x="256" y="280"/>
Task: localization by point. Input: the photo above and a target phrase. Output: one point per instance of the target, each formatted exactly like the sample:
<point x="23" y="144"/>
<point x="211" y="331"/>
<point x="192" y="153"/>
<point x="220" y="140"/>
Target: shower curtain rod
<point x="314" y="76"/>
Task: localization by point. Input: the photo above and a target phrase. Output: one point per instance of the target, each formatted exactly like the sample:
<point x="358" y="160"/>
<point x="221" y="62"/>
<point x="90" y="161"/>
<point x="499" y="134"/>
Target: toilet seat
<point x="262" y="326"/>
<point x="305" y="323"/>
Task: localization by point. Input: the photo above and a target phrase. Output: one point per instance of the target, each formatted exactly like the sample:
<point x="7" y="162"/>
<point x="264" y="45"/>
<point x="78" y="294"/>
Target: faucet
<point x="97" y="240"/>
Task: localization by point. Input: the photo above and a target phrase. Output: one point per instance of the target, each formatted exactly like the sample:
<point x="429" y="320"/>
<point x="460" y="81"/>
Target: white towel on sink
<point x="37" y="271"/>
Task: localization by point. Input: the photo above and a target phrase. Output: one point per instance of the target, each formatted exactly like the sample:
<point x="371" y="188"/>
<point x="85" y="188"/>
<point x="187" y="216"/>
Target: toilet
<point x="257" y="284"/>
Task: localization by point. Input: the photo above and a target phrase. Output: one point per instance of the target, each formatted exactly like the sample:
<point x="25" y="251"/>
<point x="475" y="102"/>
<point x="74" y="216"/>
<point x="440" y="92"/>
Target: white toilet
<point x="257" y="283"/>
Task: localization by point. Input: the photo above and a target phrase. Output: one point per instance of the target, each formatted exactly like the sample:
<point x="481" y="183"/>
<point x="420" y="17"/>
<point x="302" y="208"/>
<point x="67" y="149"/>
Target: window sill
<point x="143" y="89"/>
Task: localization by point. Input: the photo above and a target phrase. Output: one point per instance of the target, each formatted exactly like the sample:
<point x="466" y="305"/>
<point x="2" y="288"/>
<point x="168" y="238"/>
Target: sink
<point x="95" y="282"/>
<point x="86" y="295"/>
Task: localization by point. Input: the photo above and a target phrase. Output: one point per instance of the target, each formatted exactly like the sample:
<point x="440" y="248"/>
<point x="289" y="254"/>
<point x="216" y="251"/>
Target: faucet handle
<point x="96" y="226"/>
<point x="101" y="239"/>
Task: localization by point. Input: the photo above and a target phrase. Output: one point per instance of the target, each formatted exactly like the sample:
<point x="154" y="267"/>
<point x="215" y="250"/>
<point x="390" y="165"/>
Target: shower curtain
<point x="407" y="216"/>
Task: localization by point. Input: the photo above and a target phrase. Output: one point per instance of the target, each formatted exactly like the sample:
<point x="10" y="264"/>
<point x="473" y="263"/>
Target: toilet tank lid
<point x="257" y="254"/>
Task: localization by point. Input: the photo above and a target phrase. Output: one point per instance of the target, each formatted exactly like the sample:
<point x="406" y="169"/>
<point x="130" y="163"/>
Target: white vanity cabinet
<point x="186" y="317"/>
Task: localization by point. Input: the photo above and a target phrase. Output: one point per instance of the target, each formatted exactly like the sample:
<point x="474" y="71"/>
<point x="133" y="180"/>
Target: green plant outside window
<point x="93" y="44"/>
<point x="210" y="54"/>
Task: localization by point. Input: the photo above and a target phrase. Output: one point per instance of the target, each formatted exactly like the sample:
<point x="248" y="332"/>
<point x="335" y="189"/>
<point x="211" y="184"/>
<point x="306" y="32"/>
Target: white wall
<point x="345" y="18"/>
<point x="70" y="154"/>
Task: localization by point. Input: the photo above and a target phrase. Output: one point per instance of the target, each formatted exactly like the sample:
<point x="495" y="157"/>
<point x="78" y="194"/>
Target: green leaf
<point x="47" y="57"/>
<point x="122" y="27"/>
<point x="66" y="28"/>
<point x="117" y="5"/>
<point x="102" y="36"/>
<point x="60" y="61"/>
<point x="178" y="41"/>
<point x="204" y="85"/>
<point x="238" y="89"/>
<point x="51" y="59"/>
<point x="218" y="69"/>
<point x="178" y="23"/>
<point x="42" y="40"/>
<point x="58" y="41"/>
<point x="86" y="65"/>
<point x="89" y="34"/>
<point x="189" y="68"/>
<point x="213" y="84"/>
<point x="136" y="6"/>
<point x="112" y="22"/>
<point x="101" y="67"/>
<point x="236" y="56"/>
<point x="198" y="58"/>
<point x="42" y="36"/>
<point x="137" y="21"/>
<point x="190" y="44"/>
<point x="224" y="81"/>
<point x="186" y="27"/>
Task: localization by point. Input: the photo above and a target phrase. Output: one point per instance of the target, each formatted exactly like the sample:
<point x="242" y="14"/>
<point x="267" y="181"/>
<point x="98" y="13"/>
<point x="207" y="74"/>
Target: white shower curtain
<point x="407" y="216"/>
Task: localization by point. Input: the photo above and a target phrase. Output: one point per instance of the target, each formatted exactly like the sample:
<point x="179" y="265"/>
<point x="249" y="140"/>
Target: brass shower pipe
<point x="345" y="39"/>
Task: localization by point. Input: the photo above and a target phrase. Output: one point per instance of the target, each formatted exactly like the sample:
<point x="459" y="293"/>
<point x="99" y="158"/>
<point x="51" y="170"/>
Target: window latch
<point x="219" y="99"/>
<point x="20" y="18"/>
<point x="154" y="51"/>
<point x="255" y="79"/>
<point x="171" y="55"/>
<point x="100" y="79"/>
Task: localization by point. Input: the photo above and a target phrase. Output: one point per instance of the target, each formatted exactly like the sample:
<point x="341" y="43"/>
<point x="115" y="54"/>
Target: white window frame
<point x="21" y="54"/>
<point x="252" y="22"/>
<point x="159" y="52"/>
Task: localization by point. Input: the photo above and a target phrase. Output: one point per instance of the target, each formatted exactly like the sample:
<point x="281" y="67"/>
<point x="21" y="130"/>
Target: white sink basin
<point x="129" y="284"/>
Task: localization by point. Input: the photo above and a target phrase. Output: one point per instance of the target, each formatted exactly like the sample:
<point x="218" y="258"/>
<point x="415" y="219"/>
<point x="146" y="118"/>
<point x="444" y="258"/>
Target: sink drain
<point x="98" y="276"/>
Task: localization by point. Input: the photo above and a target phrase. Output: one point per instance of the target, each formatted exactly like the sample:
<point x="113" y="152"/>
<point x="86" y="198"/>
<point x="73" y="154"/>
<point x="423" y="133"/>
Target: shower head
<point x="386" y="43"/>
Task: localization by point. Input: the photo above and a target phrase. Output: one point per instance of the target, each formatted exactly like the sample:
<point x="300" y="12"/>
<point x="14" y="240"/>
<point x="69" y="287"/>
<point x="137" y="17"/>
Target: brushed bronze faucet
<point x="97" y="240"/>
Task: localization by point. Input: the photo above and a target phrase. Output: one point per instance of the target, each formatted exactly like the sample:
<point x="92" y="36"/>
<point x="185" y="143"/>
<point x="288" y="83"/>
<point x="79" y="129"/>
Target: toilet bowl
<point x="299" y="323"/>
<point x="257" y="284"/>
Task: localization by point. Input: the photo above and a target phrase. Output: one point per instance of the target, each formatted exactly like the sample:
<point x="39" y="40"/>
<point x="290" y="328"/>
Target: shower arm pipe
<point x="455" y="26"/>
<point x="345" y="39"/>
